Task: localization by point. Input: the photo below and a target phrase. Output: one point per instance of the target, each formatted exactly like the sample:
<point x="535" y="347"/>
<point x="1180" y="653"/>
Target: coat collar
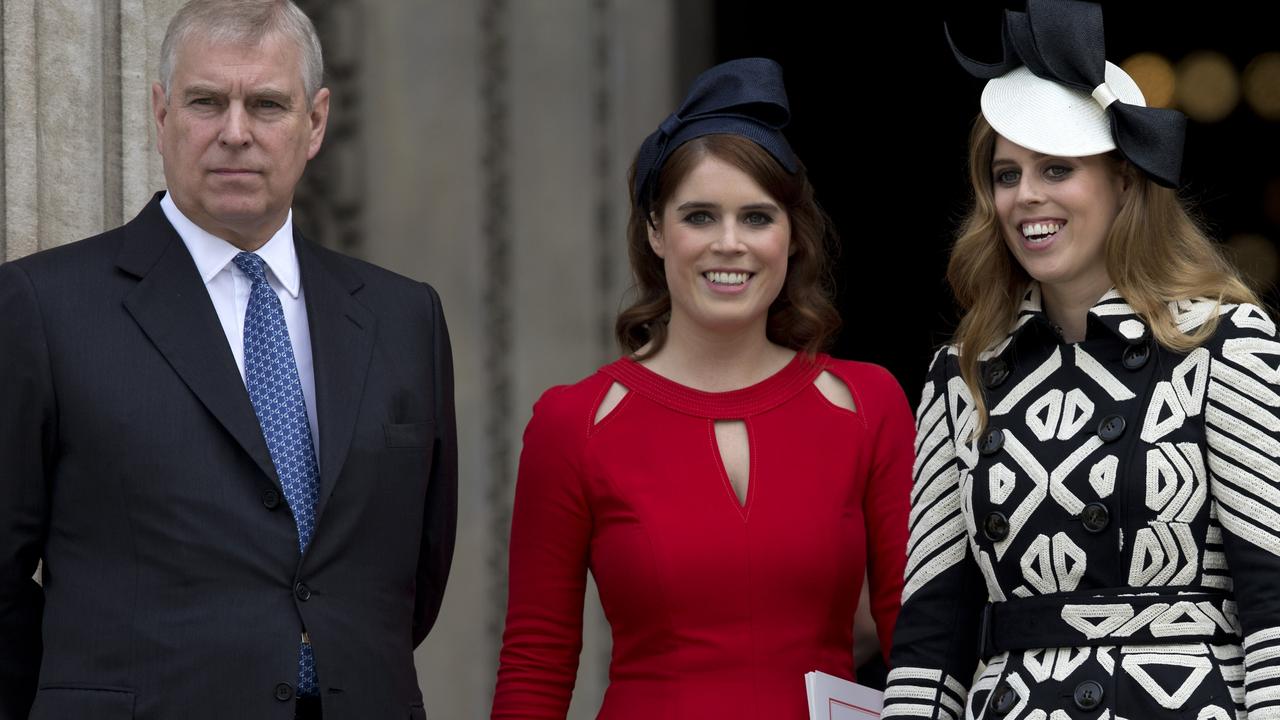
<point x="1110" y="316"/>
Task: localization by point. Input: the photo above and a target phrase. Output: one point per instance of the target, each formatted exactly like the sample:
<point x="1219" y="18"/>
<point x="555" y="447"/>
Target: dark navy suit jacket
<point x="131" y="462"/>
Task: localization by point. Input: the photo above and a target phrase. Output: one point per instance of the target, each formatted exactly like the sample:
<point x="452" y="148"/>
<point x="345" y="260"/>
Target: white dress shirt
<point x="229" y="290"/>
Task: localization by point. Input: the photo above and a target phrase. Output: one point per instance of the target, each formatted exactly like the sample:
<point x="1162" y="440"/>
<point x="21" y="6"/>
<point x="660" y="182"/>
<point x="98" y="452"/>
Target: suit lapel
<point x="172" y="307"/>
<point x="342" y="333"/>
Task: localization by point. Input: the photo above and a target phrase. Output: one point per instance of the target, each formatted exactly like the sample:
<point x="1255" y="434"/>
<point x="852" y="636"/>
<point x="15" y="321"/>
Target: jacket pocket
<point x="409" y="434"/>
<point x="61" y="702"/>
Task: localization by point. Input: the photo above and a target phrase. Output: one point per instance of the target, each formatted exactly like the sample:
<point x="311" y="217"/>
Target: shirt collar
<point x="212" y="254"/>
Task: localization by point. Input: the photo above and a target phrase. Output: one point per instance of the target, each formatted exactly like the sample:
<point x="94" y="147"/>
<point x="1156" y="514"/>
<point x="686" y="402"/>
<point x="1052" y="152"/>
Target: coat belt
<point x="1110" y="616"/>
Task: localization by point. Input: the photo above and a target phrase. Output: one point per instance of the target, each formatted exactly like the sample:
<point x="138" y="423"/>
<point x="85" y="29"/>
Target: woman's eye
<point x="757" y="218"/>
<point x="1057" y="172"/>
<point x="1007" y="177"/>
<point x="698" y="217"/>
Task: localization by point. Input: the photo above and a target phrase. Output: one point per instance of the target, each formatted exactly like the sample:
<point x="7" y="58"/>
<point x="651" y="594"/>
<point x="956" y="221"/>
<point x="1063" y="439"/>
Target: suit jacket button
<point x="1095" y="517"/>
<point x="302" y="592"/>
<point x="995" y="526"/>
<point x="1003" y="698"/>
<point x="1111" y="428"/>
<point x="991" y="442"/>
<point x="1088" y="695"/>
<point x="271" y="499"/>
<point x="284" y="692"/>
<point x="1136" y="356"/>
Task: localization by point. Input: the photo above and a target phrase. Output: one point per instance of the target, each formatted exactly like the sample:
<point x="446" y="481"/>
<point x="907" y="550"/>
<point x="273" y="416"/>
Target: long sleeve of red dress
<point x="717" y="607"/>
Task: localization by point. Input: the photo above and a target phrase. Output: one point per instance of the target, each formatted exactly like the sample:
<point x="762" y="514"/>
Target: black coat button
<point x="302" y="592"/>
<point x="1095" y="517"/>
<point x="271" y="499"/>
<point x="1003" y="698"/>
<point x="1136" y="356"/>
<point x="284" y="692"/>
<point x="1111" y="428"/>
<point x="997" y="373"/>
<point x="995" y="526"/>
<point x="991" y="442"/>
<point x="1088" y="695"/>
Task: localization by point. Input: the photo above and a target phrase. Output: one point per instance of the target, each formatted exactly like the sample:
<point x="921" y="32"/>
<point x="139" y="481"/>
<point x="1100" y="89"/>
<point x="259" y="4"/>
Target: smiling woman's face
<point x="1055" y="212"/>
<point x="724" y="243"/>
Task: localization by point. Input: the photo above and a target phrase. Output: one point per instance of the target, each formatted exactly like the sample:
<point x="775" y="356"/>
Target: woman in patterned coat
<point x="1096" y="510"/>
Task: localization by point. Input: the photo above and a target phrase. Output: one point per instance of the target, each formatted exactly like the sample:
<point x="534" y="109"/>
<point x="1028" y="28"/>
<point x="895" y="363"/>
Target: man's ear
<point x="159" y="111"/>
<point x="319" y="118"/>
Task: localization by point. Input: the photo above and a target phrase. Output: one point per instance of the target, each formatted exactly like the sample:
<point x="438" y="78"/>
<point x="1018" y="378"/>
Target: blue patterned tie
<point x="271" y="375"/>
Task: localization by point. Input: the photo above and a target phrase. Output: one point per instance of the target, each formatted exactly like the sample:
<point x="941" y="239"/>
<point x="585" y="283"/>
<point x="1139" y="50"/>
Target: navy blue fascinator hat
<point x="740" y="97"/>
<point x="1054" y="92"/>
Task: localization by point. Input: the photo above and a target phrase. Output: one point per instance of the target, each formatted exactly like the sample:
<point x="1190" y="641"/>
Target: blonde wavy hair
<point x="1156" y="253"/>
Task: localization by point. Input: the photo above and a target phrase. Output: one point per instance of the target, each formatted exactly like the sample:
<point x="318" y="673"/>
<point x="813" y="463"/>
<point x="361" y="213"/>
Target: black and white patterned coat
<point x="1110" y="546"/>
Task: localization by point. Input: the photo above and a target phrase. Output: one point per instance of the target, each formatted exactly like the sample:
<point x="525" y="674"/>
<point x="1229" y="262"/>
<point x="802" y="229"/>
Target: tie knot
<point x="251" y="265"/>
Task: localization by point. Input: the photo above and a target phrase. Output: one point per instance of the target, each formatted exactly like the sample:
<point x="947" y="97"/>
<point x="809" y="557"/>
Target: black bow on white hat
<point x="1095" y="106"/>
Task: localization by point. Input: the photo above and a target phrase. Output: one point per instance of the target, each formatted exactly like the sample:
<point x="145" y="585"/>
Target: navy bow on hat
<point x="1062" y="41"/>
<point x="740" y="97"/>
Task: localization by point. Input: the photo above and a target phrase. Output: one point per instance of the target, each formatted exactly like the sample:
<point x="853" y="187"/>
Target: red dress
<point x="718" y="608"/>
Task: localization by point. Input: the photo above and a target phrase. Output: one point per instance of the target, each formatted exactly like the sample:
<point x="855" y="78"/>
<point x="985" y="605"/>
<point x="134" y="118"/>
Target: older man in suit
<point x="233" y="450"/>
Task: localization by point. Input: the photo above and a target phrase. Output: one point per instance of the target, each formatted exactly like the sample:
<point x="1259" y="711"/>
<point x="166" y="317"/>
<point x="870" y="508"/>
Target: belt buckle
<point x="986" y="646"/>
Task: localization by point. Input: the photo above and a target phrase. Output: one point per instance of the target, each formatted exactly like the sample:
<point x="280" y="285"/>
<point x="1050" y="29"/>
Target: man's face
<point x="235" y="133"/>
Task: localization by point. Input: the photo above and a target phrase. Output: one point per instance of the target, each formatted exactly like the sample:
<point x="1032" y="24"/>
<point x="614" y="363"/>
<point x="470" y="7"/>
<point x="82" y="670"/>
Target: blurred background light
<point x="1154" y="75"/>
<point x="1262" y="85"/>
<point x="1207" y="87"/>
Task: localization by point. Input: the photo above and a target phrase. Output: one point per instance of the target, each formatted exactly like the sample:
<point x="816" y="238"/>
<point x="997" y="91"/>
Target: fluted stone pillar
<point x="497" y="171"/>
<point x="78" y="143"/>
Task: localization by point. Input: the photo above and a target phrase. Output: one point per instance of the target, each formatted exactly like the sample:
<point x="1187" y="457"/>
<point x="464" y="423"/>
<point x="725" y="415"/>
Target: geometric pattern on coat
<point x="1112" y="464"/>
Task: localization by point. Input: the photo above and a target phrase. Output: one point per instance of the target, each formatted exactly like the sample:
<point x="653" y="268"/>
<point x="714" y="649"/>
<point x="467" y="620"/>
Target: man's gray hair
<point x="244" y="22"/>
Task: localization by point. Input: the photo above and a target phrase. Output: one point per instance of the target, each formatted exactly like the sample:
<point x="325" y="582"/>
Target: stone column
<point x="77" y="151"/>
<point x="498" y="137"/>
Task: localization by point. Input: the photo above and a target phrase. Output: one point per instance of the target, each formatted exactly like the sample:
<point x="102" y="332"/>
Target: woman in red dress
<point x="726" y="483"/>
